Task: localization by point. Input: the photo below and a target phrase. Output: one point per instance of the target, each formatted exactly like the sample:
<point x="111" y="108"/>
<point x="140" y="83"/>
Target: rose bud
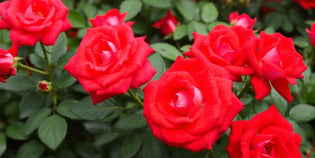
<point x="241" y="20"/>
<point x="167" y="24"/>
<point x="111" y="17"/>
<point x="266" y="135"/>
<point x="44" y="86"/>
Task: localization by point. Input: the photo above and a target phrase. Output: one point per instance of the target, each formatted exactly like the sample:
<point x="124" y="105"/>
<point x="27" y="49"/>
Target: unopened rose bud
<point x="44" y="86"/>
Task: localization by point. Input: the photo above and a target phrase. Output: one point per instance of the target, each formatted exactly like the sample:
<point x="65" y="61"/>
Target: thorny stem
<point x="31" y="69"/>
<point x="135" y="97"/>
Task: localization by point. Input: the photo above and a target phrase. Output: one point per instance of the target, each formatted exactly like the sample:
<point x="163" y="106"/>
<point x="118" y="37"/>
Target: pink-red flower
<point x="167" y="24"/>
<point x="109" y="60"/>
<point x="224" y="46"/>
<point x="6" y="62"/>
<point x="306" y="4"/>
<point x="34" y="20"/>
<point x="241" y="20"/>
<point x="266" y="135"/>
<point x="274" y="60"/>
<point x="111" y="17"/>
<point x="311" y="34"/>
<point x="191" y="105"/>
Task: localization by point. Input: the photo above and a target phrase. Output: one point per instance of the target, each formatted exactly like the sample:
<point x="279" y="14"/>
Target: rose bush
<point x="224" y="46"/>
<point x="191" y="105"/>
<point x="267" y="134"/>
<point x="30" y="21"/>
<point x="110" y="60"/>
<point x="95" y="93"/>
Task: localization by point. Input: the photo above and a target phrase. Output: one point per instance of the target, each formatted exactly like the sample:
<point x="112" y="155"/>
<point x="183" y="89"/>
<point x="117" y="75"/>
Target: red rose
<point x="312" y="34"/>
<point x="34" y="20"/>
<point x="167" y="24"/>
<point x="224" y="46"/>
<point x="274" y="59"/>
<point x="191" y="105"/>
<point x="241" y="20"/>
<point x="306" y="4"/>
<point x="6" y="62"/>
<point x="266" y="135"/>
<point x="109" y="60"/>
<point x="111" y="17"/>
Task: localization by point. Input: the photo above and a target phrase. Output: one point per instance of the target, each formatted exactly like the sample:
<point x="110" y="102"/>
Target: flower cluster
<point x="190" y="105"/>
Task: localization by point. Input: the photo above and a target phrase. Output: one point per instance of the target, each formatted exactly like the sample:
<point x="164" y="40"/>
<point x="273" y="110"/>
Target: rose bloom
<point x="275" y="60"/>
<point x="311" y="34"/>
<point x="109" y="60"/>
<point x="191" y="105"/>
<point x="34" y="20"/>
<point x="224" y="46"/>
<point x="7" y="61"/>
<point x="241" y="20"/>
<point x="167" y="24"/>
<point x="306" y="4"/>
<point x="266" y="135"/>
<point x="111" y="17"/>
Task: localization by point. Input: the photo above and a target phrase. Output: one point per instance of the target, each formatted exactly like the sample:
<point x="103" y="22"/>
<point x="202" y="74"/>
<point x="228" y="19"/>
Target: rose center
<point x="273" y="57"/>
<point x="183" y="101"/>
<point x="107" y="51"/>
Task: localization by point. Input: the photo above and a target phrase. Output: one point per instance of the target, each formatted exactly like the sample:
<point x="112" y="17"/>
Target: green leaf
<point x="180" y="32"/>
<point x="59" y="49"/>
<point x="279" y="101"/>
<point x="35" y="120"/>
<point x="65" y="80"/>
<point x="209" y="12"/>
<point x="18" y="83"/>
<point x="64" y="109"/>
<point x="86" y="150"/>
<point x="152" y="147"/>
<point x="3" y="143"/>
<point x="159" y="3"/>
<point x="302" y="113"/>
<point x="132" y="7"/>
<point x="90" y="10"/>
<point x="30" y="103"/>
<point x="166" y="50"/>
<point x="131" y="122"/>
<point x="76" y="19"/>
<point x="37" y="61"/>
<point x="32" y="149"/>
<point x="185" y="48"/>
<point x="186" y="8"/>
<point x="131" y="146"/>
<point x="159" y="65"/>
<point x="87" y="111"/>
<point x="105" y="138"/>
<point x="52" y="131"/>
<point x="200" y="28"/>
<point x="15" y="130"/>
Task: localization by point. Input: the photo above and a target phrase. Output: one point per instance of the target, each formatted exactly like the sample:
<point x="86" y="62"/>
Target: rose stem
<point x="135" y="97"/>
<point x="53" y="92"/>
<point x="32" y="69"/>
